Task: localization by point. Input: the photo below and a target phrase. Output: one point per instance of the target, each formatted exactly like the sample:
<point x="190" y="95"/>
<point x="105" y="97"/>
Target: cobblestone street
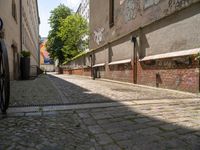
<point x="105" y="115"/>
<point x="74" y="89"/>
<point x="39" y="91"/>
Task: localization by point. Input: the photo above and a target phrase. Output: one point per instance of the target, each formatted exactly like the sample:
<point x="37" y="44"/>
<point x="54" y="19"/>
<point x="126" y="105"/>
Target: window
<point x="14" y="10"/>
<point x="111" y="13"/>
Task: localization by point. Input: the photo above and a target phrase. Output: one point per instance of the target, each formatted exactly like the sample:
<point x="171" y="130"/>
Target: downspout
<point x="134" y="40"/>
<point x="20" y="25"/>
<point x="199" y="73"/>
<point x="20" y="11"/>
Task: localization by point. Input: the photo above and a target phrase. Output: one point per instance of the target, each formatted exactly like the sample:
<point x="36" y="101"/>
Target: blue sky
<point x="45" y="6"/>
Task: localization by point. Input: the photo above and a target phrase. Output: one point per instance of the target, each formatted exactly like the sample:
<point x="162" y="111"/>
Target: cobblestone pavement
<point x="76" y="89"/>
<point x="62" y="89"/>
<point x="145" y="119"/>
<point x="34" y="92"/>
<point x="154" y="125"/>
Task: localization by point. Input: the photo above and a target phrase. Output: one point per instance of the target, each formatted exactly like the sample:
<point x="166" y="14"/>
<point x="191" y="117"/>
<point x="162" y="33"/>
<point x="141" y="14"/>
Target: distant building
<point x="20" y="32"/>
<point x="84" y="9"/>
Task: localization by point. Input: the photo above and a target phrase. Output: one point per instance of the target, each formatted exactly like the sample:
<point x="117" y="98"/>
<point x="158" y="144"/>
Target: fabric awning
<point x="172" y="54"/>
<point x="99" y="65"/>
<point x="120" y="62"/>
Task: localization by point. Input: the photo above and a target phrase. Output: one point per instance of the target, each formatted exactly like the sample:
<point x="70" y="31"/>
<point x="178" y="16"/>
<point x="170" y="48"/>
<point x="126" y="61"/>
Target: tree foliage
<point x="68" y="34"/>
<point x="54" y="43"/>
<point x="74" y="34"/>
<point x="197" y="57"/>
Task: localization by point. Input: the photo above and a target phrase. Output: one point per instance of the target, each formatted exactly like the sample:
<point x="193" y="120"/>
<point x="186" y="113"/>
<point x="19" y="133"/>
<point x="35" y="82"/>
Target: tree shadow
<point x="172" y="125"/>
<point x="73" y="93"/>
<point x="143" y="126"/>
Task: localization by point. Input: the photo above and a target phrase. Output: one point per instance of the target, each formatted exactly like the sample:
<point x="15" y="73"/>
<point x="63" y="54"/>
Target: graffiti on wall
<point x="177" y="4"/>
<point x="149" y="3"/>
<point x="170" y="63"/>
<point x="98" y="35"/>
<point x="131" y="8"/>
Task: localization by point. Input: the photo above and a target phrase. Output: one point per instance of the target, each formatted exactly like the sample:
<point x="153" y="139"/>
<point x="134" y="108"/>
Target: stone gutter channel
<point x="52" y="109"/>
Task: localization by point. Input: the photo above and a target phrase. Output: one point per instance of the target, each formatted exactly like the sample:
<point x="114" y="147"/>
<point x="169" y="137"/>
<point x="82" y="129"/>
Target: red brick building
<point x="144" y="42"/>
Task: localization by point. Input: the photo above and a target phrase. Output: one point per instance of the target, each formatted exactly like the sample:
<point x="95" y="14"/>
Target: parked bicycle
<point x="4" y="76"/>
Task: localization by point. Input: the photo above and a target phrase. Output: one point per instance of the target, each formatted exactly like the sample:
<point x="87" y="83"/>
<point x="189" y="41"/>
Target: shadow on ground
<point x="127" y="127"/>
<point x="51" y="90"/>
<point x="82" y="90"/>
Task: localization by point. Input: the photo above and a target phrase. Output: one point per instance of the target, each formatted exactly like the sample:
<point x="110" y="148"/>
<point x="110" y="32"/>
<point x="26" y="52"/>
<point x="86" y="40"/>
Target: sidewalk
<point x="39" y="91"/>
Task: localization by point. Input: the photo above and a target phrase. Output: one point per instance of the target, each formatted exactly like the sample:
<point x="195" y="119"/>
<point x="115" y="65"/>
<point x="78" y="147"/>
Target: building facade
<point x="30" y="32"/>
<point x="146" y="42"/>
<point x="10" y="15"/>
<point x="84" y="9"/>
<point x="20" y="32"/>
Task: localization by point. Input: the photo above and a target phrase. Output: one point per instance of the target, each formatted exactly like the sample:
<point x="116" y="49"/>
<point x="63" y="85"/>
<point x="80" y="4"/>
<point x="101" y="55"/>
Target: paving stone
<point x="174" y="144"/>
<point x="111" y="147"/>
<point x="169" y="127"/>
<point x="149" y="131"/>
<point x="95" y="129"/>
<point x="169" y="135"/>
<point x="152" y="146"/>
<point x="126" y="144"/>
<point x="103" y="139"/>
<point x="121" y="136"/>
<point x="84" y="115"/>
<point x="113" y="130"/>
<point x="183" y="131"/>
<point x="101" y="115"/>
<point x="89" y="121"/>
<point x="142" y="120"/>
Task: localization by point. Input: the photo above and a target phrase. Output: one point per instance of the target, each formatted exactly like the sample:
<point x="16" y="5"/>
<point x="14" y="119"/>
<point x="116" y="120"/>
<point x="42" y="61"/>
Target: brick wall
<point x="81" y="71"/>
<point x="121" y="72"/>
<point x="183" y="77"/>
<point x="179" y="73"/>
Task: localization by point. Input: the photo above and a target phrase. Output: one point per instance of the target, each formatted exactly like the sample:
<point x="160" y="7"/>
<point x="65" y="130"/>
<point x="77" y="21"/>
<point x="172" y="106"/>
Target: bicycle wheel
<point x="4" y="78"/>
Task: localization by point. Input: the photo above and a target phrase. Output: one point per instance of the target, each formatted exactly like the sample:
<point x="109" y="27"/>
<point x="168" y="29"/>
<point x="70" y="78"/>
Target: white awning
<point x="172" y="54"/>
<point x="99" y="65"/>
<point x="120" y="62"/>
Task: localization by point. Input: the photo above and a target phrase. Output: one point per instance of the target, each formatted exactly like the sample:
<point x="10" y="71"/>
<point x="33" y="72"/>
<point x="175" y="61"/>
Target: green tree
<point x="55" y="43"/>
<point x="198" y="57"/>
<point x="74" y="34"/>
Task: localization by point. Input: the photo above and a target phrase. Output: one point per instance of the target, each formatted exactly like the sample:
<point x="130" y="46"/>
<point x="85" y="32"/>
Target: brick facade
<point x="184" y="78"/>
<point x="142" y="30"/>
<point x="168" y="73"/>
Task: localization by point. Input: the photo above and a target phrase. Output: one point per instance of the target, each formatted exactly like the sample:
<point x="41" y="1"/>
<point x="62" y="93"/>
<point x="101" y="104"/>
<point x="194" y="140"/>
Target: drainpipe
<point x="20" y="7"/>
<point x="20" y="28"/>
<point x="91" y="65"/>
<point x="134" y="40"/>
<point x="199" y="73"/>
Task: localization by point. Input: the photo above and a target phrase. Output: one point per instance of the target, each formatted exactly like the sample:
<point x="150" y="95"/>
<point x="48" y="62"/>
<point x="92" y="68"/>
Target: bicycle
<point x="4" y="78"/>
